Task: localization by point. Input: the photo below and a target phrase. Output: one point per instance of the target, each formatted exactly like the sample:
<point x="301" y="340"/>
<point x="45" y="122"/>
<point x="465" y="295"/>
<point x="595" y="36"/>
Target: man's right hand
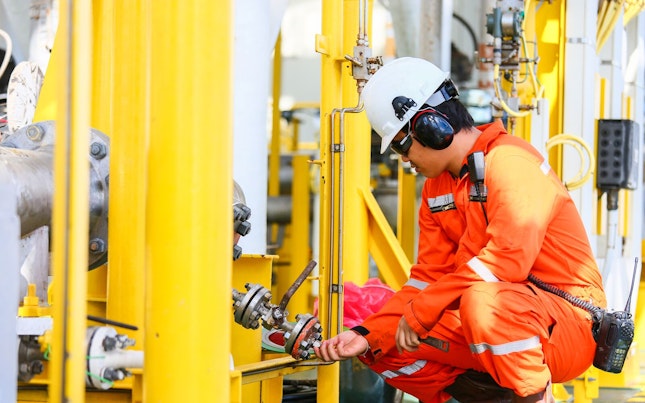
<point x="345" y="345"/>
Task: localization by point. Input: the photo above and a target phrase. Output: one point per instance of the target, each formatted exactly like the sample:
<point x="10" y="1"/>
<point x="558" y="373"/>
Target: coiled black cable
<point x="596" y="312"/>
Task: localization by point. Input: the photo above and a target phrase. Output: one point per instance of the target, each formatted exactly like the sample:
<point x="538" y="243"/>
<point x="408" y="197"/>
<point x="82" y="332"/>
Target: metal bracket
<point x="336" y="288"/>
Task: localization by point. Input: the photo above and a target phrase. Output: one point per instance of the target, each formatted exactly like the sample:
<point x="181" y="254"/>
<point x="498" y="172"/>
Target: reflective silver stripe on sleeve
<point x="481" y="270"/>
<point x="441" y="203"/>
<point x="506" y="348"/>
<point x="389" y="374"/>
<point x="416" y="283"/>
<point x="407" y="370"/>
<point x="545" y="167"/>
<point x="414" y="367"/>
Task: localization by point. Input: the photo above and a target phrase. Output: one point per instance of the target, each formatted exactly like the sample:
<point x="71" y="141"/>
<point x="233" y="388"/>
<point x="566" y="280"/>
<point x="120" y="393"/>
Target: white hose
<point x="8" y="50"/>
<point x="576" y="142"/>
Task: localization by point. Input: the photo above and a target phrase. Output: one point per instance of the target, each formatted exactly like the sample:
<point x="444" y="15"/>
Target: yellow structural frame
<point x="145" y="73"/>
<point x="154" y="69"/>
<point x="328" y="44"/>
<point x="70" y="218"/>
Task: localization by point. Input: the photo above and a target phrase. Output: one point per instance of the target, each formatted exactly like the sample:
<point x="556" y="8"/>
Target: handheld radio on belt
<point x="614" y="335"/>
<point x="612" y="331"/>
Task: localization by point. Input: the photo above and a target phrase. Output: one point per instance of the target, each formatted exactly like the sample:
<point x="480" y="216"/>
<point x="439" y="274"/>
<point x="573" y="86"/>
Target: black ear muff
<point x="432" y="129"/>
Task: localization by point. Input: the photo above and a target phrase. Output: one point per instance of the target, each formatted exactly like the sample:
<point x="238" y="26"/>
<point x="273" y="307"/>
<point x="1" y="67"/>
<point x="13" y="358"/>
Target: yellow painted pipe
<point x="356" y="167"/>
<point x="608" y="23"/>
<point x="103" y="65"/>
<point x="329" y="45"/>
<point x="602" y="112"/>
<point x="551" y="40"/>
<point x="626" y="197"/>
<point x="602" y="16"/>
<point x="274" y="155"/>
<point x="70" y="217"/>
<point x="129" y="142"/>
<point x="273" y="188"/>
<point x="632" y="10"/>
<point x="189" y="227"/>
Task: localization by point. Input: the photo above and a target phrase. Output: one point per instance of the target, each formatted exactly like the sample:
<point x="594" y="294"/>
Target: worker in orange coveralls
<point x="468" y="323"/>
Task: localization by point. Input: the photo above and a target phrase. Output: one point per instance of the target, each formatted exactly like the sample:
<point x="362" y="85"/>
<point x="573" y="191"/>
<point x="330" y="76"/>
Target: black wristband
<point x="360" y="330"/>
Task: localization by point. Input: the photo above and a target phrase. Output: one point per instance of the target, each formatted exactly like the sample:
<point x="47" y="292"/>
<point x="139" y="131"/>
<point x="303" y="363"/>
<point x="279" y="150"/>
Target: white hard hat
<point x="396" y="92"/>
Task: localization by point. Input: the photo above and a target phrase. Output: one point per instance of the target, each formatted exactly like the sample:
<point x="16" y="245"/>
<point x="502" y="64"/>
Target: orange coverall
<point x="469" y="286"/>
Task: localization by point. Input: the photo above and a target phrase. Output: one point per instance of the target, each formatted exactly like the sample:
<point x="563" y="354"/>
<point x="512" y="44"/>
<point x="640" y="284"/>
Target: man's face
<point x="425" y="160"/>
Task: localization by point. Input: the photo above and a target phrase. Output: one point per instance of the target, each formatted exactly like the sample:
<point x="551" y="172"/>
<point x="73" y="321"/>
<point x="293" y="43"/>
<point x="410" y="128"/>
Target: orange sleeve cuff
<point x="413" y="322"/>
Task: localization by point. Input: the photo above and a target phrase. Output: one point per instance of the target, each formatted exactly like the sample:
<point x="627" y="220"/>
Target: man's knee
<point x="478" y="303"/>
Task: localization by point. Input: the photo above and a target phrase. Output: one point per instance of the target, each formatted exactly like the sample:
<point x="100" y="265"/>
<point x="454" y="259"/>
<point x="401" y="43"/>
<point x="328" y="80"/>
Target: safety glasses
<point x="402" y="146"/>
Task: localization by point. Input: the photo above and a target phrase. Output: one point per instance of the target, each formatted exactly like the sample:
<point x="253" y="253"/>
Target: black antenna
<point x="631" y="288"/>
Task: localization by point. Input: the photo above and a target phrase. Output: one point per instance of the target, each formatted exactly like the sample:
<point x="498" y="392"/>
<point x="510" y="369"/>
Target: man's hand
<point x="406" y="338"/>
<point x="345" y="345"/>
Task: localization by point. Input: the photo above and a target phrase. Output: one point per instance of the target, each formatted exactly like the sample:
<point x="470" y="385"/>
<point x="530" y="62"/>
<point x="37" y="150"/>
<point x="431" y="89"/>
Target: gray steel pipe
<point x="30" y="173"/>
<point x="279" y="209"/>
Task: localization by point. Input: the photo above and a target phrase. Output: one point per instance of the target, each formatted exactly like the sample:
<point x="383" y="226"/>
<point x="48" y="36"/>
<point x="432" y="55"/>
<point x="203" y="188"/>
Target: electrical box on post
<point x="618" y="153"/>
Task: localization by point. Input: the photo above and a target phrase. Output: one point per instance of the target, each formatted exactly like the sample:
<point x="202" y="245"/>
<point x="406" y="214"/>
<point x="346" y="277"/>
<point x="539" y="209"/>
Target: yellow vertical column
<point x="274" y="145"/>
<point x="103" y="66"/>
<point x="329" y="45"/>
<point x="128" y="145"/>
<point x="551" y="42"/>
<point x="101" y="119"/>
<point x="70" y="218"/>
<point x="356" y="169"/>
<point x="274" y="155"/>
<point x="189" y="228"/>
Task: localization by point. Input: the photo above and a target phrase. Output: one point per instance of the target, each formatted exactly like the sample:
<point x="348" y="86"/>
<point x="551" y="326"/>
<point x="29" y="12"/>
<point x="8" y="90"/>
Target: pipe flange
<point x="306" y="334"/>
<point x="94" y="338"/>
<point x="41" y="137"/>
<point x="250" y="307"/>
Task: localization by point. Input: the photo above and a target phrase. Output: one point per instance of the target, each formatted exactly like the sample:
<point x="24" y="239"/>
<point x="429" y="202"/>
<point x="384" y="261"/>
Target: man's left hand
<point x="406" y="338"/>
